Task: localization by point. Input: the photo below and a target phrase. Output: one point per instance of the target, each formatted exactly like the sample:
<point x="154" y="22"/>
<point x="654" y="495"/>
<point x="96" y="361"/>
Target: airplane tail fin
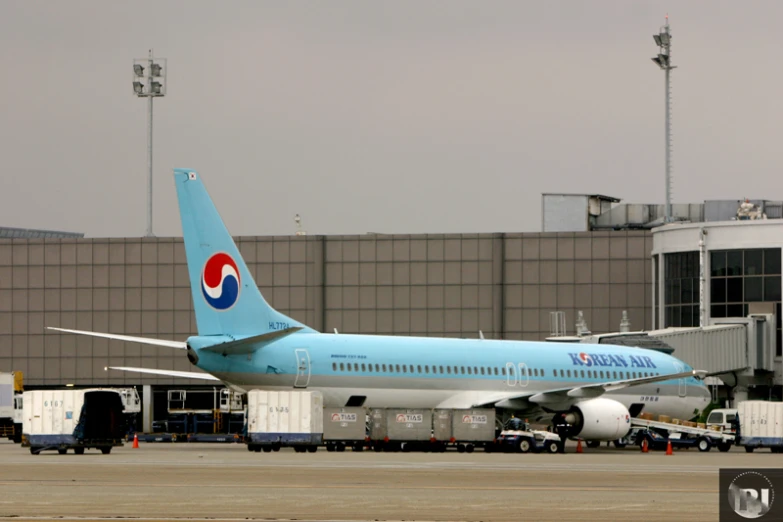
<point x="225" y="296"/>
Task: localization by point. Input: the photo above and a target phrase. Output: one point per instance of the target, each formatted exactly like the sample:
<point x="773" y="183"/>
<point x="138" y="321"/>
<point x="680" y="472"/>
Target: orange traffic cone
<point x="645" y="449"/>
<point x="579" y="446"/>
<point x="135" y="440"/>
<point x="669" y="448"/>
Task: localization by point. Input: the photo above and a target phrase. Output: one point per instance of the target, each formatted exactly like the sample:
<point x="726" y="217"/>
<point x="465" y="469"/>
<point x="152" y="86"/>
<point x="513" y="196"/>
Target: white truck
<point x="760" y="425"/>
<point x="10" y="401"/>
<point x="72" y="419"/>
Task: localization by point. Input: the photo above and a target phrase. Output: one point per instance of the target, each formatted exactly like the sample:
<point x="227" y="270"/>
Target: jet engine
<point x="597" y="419"/>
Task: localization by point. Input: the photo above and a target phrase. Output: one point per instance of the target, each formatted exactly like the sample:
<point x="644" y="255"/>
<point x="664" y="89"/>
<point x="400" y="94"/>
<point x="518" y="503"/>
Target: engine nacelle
<point x="599" y="419"/>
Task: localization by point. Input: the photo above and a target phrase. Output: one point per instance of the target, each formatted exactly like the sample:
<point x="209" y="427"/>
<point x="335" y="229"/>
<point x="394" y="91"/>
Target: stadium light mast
<point x="149" y="81"/>
<point x="664" y="60"/>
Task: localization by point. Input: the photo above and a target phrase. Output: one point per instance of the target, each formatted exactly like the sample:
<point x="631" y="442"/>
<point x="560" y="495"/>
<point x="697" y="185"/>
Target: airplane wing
<point x="563" y="396"/>
<point x="143" y="340"/>
<point x="168" y="373"/>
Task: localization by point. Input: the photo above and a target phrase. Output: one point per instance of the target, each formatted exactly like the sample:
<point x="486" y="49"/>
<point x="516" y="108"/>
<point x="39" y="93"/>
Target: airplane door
<point x="523" y="374"/>
<point x="682" y="384"/>
<point x="511" y="374"/>
<point x="302" y="368"/>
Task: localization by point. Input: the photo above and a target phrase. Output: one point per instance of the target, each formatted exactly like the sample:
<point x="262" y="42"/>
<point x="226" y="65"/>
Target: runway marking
<point x="364" y="486"/>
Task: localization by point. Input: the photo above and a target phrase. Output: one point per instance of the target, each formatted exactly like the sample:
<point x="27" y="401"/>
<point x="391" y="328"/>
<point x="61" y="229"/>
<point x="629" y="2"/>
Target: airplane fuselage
<point x="410" y="372"/>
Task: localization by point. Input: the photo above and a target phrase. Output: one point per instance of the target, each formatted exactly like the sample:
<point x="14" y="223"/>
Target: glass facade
<point x="740" y="277"/>
<point x="681" y="289"/>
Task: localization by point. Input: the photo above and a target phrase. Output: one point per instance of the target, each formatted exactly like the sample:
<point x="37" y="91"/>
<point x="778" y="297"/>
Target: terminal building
<point x="707" y="287"/>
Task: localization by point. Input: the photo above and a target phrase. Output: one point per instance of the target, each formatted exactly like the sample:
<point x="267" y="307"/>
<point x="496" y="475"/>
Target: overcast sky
<point x="369" y="116"/>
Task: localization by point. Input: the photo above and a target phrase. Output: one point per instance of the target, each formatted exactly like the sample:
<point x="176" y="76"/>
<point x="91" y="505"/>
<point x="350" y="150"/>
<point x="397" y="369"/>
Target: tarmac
<point x="195" y="482"/>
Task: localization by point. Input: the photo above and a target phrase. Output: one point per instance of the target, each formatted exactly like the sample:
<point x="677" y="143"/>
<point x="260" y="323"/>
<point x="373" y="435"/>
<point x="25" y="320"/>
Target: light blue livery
<point x="245" y="343"/>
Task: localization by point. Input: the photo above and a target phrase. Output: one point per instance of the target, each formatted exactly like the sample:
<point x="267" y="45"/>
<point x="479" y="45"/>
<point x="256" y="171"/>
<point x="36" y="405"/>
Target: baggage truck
<point x="72" y="419"/>
<point x="760" y="425"/>
<point x="345" y="427"/>
<point x="400" y="429"/>
<point x="473" y="427"/>
<point x="287" y="418"/>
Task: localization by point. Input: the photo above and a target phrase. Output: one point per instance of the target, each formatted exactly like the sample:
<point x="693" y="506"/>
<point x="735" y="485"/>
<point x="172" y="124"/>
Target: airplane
<point x="592" y="390"/>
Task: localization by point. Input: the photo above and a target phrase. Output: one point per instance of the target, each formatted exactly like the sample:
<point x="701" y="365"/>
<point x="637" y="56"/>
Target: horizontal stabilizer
<point x="168" y="373"/>
<point x="249" y="344"/>
<point x="143" y="340"/>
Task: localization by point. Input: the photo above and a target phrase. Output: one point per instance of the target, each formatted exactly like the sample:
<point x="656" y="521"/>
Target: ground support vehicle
<point x="759" y="424"/>
<point x="658" y="434"/>
<point x="73" y="419"/>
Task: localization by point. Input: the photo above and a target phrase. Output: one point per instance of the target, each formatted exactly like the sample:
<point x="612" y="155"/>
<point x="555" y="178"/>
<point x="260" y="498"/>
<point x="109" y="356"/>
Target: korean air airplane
<point x="247" y="344"/>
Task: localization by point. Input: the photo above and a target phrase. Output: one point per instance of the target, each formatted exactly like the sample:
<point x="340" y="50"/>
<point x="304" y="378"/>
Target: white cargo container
<point x="760" y="425"/>
<point x="77" y="419"/>
<point x="289" y="418"/>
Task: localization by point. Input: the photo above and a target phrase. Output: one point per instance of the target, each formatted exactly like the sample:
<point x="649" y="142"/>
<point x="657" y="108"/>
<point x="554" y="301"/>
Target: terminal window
<point x="739" y="277"/>
<point x="681" y="289"/>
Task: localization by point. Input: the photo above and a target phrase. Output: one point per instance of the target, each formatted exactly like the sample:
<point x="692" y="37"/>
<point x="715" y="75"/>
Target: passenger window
<point x="482" y="370"/>
<point x="554" y="372"/>
<point x="356" y="367"/>
<point x="462" y="370"/>
<point x="535" y="372"/>
<point x="342" y="367"/>
<point x="496" y="372"/>
<point x="469" y="371"/>
<point x="427" y="368"/>
<point x="404" y="368"/>
<point x="441" y="369"/>
<point x="614" y="375"/>
<point x="503" y="372"/>
<point x="448" y="370"/>
<point x="397" y="367"/>
<point x="568" y="372"/>
<point x="583" y="373"/>
<point x="377" y="368"/>
<point x="334" y="366"/>
<point x="364" y="368"/>
<point x="369" y="368"/>
<point x="419" y="368"/>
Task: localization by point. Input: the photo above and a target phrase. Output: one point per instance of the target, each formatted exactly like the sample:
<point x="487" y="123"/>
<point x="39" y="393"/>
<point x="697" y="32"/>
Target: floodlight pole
<point x="663" y="39"/>
<point x="668" y="124"/>
<point x="149" y="149"/>
<point x="149" y="81"/>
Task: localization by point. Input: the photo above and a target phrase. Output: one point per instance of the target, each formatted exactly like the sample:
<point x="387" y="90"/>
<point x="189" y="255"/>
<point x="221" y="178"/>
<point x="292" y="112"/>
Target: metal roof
<point x="29" y="233"/>
<point x="600" y="196"/>
<point x="637" y="341"/>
